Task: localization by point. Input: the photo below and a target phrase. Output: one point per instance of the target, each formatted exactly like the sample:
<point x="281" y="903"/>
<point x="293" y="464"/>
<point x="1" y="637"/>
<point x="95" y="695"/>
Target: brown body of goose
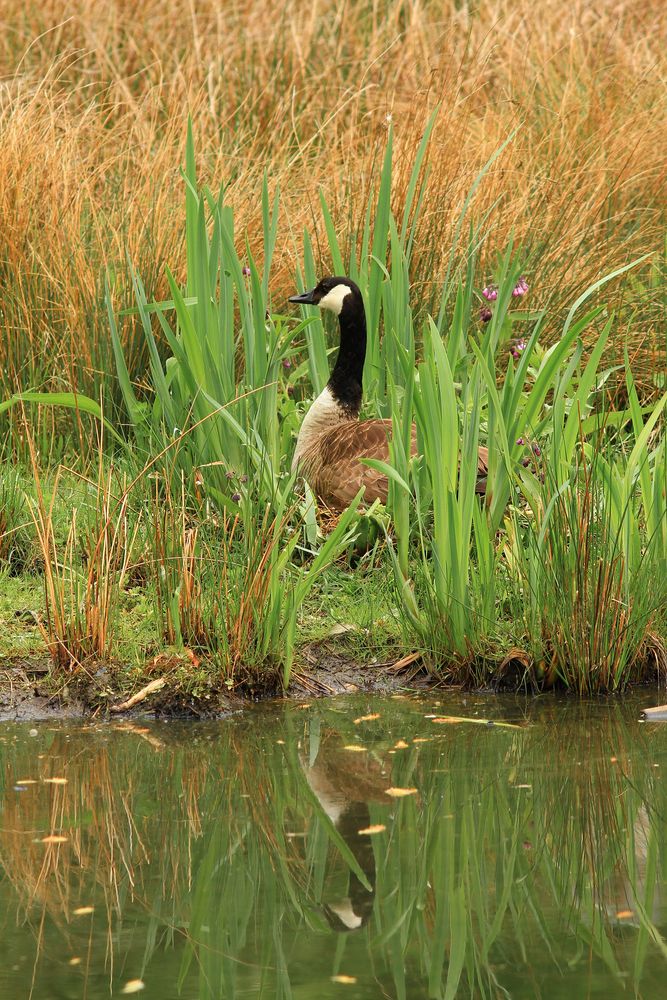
<point x="332" y="440"/>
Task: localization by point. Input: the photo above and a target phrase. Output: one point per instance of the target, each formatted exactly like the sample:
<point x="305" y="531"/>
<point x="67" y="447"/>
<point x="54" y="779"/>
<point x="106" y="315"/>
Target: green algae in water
<point x="261" y="856"/>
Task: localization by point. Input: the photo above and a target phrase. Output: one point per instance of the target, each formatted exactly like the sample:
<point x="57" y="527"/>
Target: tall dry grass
<point x="92" y="121"/>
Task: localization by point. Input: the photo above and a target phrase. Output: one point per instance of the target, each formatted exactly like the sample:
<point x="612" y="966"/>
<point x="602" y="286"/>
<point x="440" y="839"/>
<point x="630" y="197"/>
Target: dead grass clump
<point x="92" y="113"/>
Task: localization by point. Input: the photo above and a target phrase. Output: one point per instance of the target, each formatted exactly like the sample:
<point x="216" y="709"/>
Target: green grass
<point x="561" y="568"/>
<point x="348" y="609"/>
<point x="21" y="601"/>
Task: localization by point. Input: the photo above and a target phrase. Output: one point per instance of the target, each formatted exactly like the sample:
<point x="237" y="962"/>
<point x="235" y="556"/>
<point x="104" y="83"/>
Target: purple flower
<point x="515" y="354"/>
<point x="243" y="479"/>
<point x="230" y="474"/>
<point x="485" y="315"/>
<point x="490" y="293"/>
<point x="521" y="346"/>
<point x="236" y="497"/>
<point x="526" y="462"/>
<point x="520" y="441"/>
<point x="287" y="363"/>
<point x="520" y="288"/>
<point x="536" y="450"/>
<point x="246" y="270"/>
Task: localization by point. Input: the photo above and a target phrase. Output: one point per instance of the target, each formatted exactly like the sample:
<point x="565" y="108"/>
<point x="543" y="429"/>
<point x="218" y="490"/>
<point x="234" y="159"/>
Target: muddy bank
<point x="25" y="695"/>
<point x="30" y="692"/>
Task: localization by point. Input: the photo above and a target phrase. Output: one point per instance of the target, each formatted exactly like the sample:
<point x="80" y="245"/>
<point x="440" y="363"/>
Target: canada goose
<point x="344" y="789"/>
<point x="332" y="439"/>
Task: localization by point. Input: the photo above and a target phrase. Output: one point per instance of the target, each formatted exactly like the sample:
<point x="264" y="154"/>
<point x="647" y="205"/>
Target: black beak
<point x="305" y="299"/>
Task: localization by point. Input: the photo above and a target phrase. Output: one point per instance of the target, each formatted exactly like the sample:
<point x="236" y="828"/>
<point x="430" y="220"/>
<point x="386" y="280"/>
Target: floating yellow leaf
<point x="83" y="910"/>
<point x="56" y="781"/>
<point x="74" y="960"/>
<point x="398" y="793"/>
<point x="370" y="830"/>
<point x="401" y="745"/>
<point x="422" y="739"/>
<point x="54" y="838"/>
<point x="489" y="723"/>
<point x="345" y="980"/>
<point x="355" y="748"/>
<point x="26" y="781"/>
<point x="133" y="986"/>
<point x="367" y="718"/>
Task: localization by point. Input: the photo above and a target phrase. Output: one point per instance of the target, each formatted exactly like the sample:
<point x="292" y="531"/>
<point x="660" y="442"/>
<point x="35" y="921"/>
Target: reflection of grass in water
<point x="466" y="901"/>
<point x="110" y="815"/>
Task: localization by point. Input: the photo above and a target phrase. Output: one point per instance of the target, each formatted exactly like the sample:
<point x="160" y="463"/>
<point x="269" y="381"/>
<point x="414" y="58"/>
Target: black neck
<point x="346" y="378"/>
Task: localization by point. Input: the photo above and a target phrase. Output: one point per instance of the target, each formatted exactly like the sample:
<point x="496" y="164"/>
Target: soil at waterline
<point x="30" y="692"/>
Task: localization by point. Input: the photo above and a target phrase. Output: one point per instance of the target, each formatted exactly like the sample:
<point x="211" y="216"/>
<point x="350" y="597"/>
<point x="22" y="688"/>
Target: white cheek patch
<point x="334" y="299"/>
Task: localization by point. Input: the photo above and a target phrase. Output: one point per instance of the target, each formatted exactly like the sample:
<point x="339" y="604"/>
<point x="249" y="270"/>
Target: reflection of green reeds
<point x="208" y="858"/>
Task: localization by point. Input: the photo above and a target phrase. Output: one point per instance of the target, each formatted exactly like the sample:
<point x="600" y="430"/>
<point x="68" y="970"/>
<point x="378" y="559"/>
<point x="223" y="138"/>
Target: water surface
<point x="273" y="855"/>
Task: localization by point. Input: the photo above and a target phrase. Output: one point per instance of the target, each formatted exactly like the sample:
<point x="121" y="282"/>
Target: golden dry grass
<point x="93" y="108"/>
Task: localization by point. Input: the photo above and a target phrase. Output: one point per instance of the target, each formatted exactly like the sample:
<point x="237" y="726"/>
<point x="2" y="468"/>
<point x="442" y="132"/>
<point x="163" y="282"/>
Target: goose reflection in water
<point x="631" y="887"/>
<point x="344" y="784"/>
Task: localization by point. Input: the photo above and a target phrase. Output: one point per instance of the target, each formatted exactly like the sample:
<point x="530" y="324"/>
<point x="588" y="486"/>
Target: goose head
<point x="340" y="295"/>
<point x="340" y="400"/>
